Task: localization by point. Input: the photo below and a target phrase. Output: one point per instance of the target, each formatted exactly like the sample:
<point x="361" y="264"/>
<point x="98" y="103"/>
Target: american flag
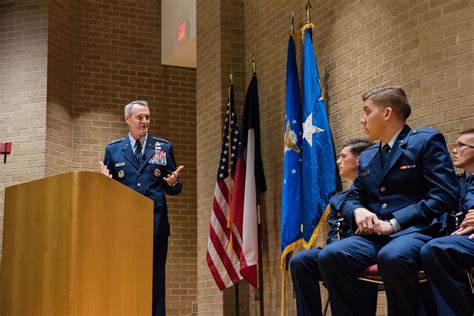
<point x="224" y="241"/>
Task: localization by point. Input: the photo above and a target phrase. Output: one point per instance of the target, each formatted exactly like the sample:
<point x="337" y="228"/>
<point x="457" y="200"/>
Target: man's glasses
<point x="461" y="146"/>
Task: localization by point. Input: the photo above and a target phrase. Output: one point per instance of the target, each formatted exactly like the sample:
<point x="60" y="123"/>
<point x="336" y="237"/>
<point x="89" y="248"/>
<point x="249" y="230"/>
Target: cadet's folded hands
<point x="467" y="225"/>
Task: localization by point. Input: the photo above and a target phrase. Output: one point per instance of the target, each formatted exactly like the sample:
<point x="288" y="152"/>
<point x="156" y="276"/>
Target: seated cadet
<point x="304" y="265"/>
<point x="446" y="259"/>
<point x="403" y="188"/>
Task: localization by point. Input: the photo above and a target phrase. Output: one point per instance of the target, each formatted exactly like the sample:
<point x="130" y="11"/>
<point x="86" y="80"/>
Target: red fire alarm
<point x="183" y="32"/>
<point x="5" y="149"/>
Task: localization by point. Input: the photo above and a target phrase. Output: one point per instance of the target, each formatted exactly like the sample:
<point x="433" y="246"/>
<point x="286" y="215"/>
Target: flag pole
<point x="260" y="261"/>
<point x="283" y="270"/>
<point x="229" y="166"/>
<point x="259" y="234"/>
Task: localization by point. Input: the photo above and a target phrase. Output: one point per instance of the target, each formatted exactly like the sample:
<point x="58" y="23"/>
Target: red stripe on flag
<point x="238" y="195"/>
<point x="215" y="273"/>
<point x="219" y="213"/>
<point x="223" y="253"/>
<point x="223" y="262"/>
<point x="250" y="274"/>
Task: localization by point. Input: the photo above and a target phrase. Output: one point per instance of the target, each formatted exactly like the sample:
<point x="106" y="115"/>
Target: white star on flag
<point x="309" y="129"/>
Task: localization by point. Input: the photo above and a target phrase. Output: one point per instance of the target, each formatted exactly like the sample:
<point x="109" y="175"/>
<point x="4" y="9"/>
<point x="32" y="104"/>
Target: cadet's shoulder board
<point x="424" y="130"/>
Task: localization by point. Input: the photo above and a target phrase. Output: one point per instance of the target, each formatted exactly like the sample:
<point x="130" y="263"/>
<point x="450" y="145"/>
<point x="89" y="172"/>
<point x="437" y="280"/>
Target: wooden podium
<point x="78" y="243"/>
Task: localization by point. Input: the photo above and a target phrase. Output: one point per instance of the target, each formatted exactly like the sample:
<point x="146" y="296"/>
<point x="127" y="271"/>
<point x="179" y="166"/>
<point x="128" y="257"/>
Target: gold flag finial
<point x="308" y="24"/>
<point x="231" y="81"/>
<point x="308" y="12"/>
<point x="254" y="68"/>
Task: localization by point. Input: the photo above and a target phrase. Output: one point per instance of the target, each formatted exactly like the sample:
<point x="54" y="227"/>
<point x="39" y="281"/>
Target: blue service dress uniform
<point x="146" y="177"/>
<point x="445" y="262"/>
<point x="304" y="265"/>
<point x="416" y="185"/>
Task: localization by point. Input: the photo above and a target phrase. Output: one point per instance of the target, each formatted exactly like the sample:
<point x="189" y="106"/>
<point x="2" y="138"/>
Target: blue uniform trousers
<point x="445" y="261"/>
<point x="306" y="276"/>
<point x="160" y="252"/>
<point x="340" y="264"/>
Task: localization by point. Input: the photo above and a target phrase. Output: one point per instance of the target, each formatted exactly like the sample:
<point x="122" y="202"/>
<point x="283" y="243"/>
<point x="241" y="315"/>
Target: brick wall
<point x="424" y="46"/>
<point x="23" y="59"/>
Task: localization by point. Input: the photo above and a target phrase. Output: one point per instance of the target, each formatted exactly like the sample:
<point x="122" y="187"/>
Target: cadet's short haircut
<point x="357" y="145"/>
<point x="129" y="107"/>
<point x="467" y="131"/>
<point x="390" y="96"/>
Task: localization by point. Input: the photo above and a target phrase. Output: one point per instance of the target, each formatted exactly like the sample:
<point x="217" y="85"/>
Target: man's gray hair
<point x="129" y="107"/>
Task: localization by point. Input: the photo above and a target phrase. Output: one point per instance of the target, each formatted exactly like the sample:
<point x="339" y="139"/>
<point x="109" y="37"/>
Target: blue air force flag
<point x="291" y="200"/>
<point x="318" y="168"/>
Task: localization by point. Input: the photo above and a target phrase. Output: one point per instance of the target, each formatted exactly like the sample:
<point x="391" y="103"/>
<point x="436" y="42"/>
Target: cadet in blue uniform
<point x="395" y="204"/>
<point x="446" y="259"/>
<point x="304" y="265"/>
<point x="146" y="164"/>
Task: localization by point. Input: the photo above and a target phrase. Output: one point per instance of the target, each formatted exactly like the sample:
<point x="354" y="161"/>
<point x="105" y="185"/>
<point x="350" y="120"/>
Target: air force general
<point x="146" y="164"/>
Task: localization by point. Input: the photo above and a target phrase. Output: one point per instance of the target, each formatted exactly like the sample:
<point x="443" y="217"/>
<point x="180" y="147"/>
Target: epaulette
<point x="424" y="130"/>
<point x="116" y="141"/>
<point x="161" y="140"/>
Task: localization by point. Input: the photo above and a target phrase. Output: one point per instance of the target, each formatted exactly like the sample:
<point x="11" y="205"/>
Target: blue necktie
<point x="385" y="154"/>
<point x="138" y="150"/>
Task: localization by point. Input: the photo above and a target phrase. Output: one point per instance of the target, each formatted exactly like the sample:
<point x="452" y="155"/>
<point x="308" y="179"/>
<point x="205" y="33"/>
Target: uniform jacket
<point x="466" y="203"/>
<point x="416" y="186"/>
<point x="146" y="176"/>
<point x="336" y="220"/>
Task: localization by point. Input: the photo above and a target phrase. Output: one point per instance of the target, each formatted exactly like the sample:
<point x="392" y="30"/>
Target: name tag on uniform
<point x="407" y="167"/>
<point x="120" y="164"/>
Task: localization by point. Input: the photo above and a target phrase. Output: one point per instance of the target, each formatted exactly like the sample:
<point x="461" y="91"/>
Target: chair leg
<point x="471" y="280"/>
<point x="326" y="305"/>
